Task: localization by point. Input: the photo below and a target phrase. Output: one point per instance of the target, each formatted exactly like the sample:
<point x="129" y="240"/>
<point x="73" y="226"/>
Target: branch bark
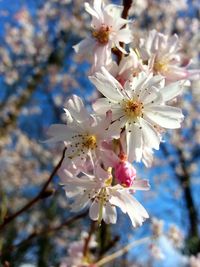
<point x="87" y="240"/>
<point x="42" y="194"/>
<point x="126" y="6"/>
<point x="186" y="185"/>
<point x="193" y="239"/>
<point x="52" y="229"/>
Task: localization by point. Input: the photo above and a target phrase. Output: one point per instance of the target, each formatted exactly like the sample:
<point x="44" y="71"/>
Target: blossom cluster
<point x="138" y="85"/>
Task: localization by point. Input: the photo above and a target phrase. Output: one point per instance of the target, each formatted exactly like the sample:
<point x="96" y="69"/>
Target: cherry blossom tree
<point x="94" y="97"/>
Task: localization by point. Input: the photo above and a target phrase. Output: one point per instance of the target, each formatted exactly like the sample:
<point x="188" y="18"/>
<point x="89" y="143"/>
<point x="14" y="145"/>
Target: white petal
<point x="109" y="214"/>
<point x="171" y="91"/>
<point x="80" y="203"/>
<point x="101" y="124"/>
<point x="117" y="200"/>
<point x="131" y="206"/>
<point x="102" y="57"/>
<point x="173" y="43"/>
<point x="147" y="156"/>
<point x="116" y="127"/>
<point x="107" y="85"/>
<point x="59" y="132"/>
<point x="134" y="142"/>
<point x="101" y="106"/>
<point x="76" y="108"/>
<point x="69" y="118"/>
<point x="98" y="5"/>
<point x="124" y="35"/>
<point x="85" y="46"/>
<point x="91" y="11"/>
<point x="100" y="173"/>
<point x="135" y="210"/>
<point x="94" y="211"/>
<point x="109" y="158"/>
<point x="138" y="82"/>
<point x="151" y="94"/>
<point x="115" y="12"/>
<point x="165" y="116"/>
<point x="140" y="185"/>
<point x="157" y="81"/>
<point x="151" y="138"/>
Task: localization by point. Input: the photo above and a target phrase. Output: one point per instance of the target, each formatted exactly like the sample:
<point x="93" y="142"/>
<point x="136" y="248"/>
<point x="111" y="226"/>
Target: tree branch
<point x="122" y="251"/>
<point x="126" y="6"/>
<point x="42" y="194"/>
<point x="186" y="185"/>
<point x="87" y="239"/>
<point x="51" y="229"/>
<point x="184" y="180"/>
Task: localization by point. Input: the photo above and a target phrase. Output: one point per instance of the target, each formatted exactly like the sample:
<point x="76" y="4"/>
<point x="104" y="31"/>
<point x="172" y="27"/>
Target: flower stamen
<point x="133" y="108"/>
<point x="160" y="66"/>
<point x="90" y="142"/>
<point x="102" y="35"/>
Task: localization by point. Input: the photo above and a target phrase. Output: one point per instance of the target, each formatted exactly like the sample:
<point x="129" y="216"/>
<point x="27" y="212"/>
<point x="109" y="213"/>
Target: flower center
<point x="90" y="142"/>
<point x="133" y="108"/>
<point x="80" y="145"/>
<point x="102" y="35"/>
<point x="160" y="66"/>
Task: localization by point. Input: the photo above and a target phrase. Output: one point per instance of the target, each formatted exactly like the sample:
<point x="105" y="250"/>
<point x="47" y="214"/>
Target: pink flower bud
<point x="125" y="173"/>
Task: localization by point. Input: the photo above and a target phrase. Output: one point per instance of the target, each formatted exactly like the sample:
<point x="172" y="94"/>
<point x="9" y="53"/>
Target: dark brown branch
<point x="185" y="181"/>
<point x="42" y="194"/>
<point x="186" y="185"/>
<point x="45" y="231"/>
<point x="110" y="245"/>
<point x="87" y="239"/>
<point x="126" y="6"/>
<point x="51" y="229"/>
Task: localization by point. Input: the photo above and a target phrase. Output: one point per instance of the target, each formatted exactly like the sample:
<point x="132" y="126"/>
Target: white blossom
<point x="129" y="66"/>
<point x="83" y="133"/>
<point x="139" y="108"/>
<point x="103" y="198"/>
<point x="107" y="32"/>
<point x="162" y="52"/>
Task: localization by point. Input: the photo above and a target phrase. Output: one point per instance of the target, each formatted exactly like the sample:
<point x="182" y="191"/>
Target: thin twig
<point x="40" y="195"/>
<point x="122" y="251"/>
<point x="87" y="239"/>
<point x="45" y="232"/>
<point x="110" y="245"/>
<point x="185" y="181"/>
<point x="126" y="6"/>
<point x="51" y="229"/>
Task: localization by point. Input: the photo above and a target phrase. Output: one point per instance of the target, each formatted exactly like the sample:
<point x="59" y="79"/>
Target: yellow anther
<point x="160" y="66"/>
<point x="90" y="142"/>
<point x="133" y="108"/>
<point x="102" y="35"/>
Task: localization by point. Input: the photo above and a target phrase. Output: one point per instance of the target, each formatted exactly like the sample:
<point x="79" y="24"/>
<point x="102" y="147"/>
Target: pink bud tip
<point x="125" y="173"/>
